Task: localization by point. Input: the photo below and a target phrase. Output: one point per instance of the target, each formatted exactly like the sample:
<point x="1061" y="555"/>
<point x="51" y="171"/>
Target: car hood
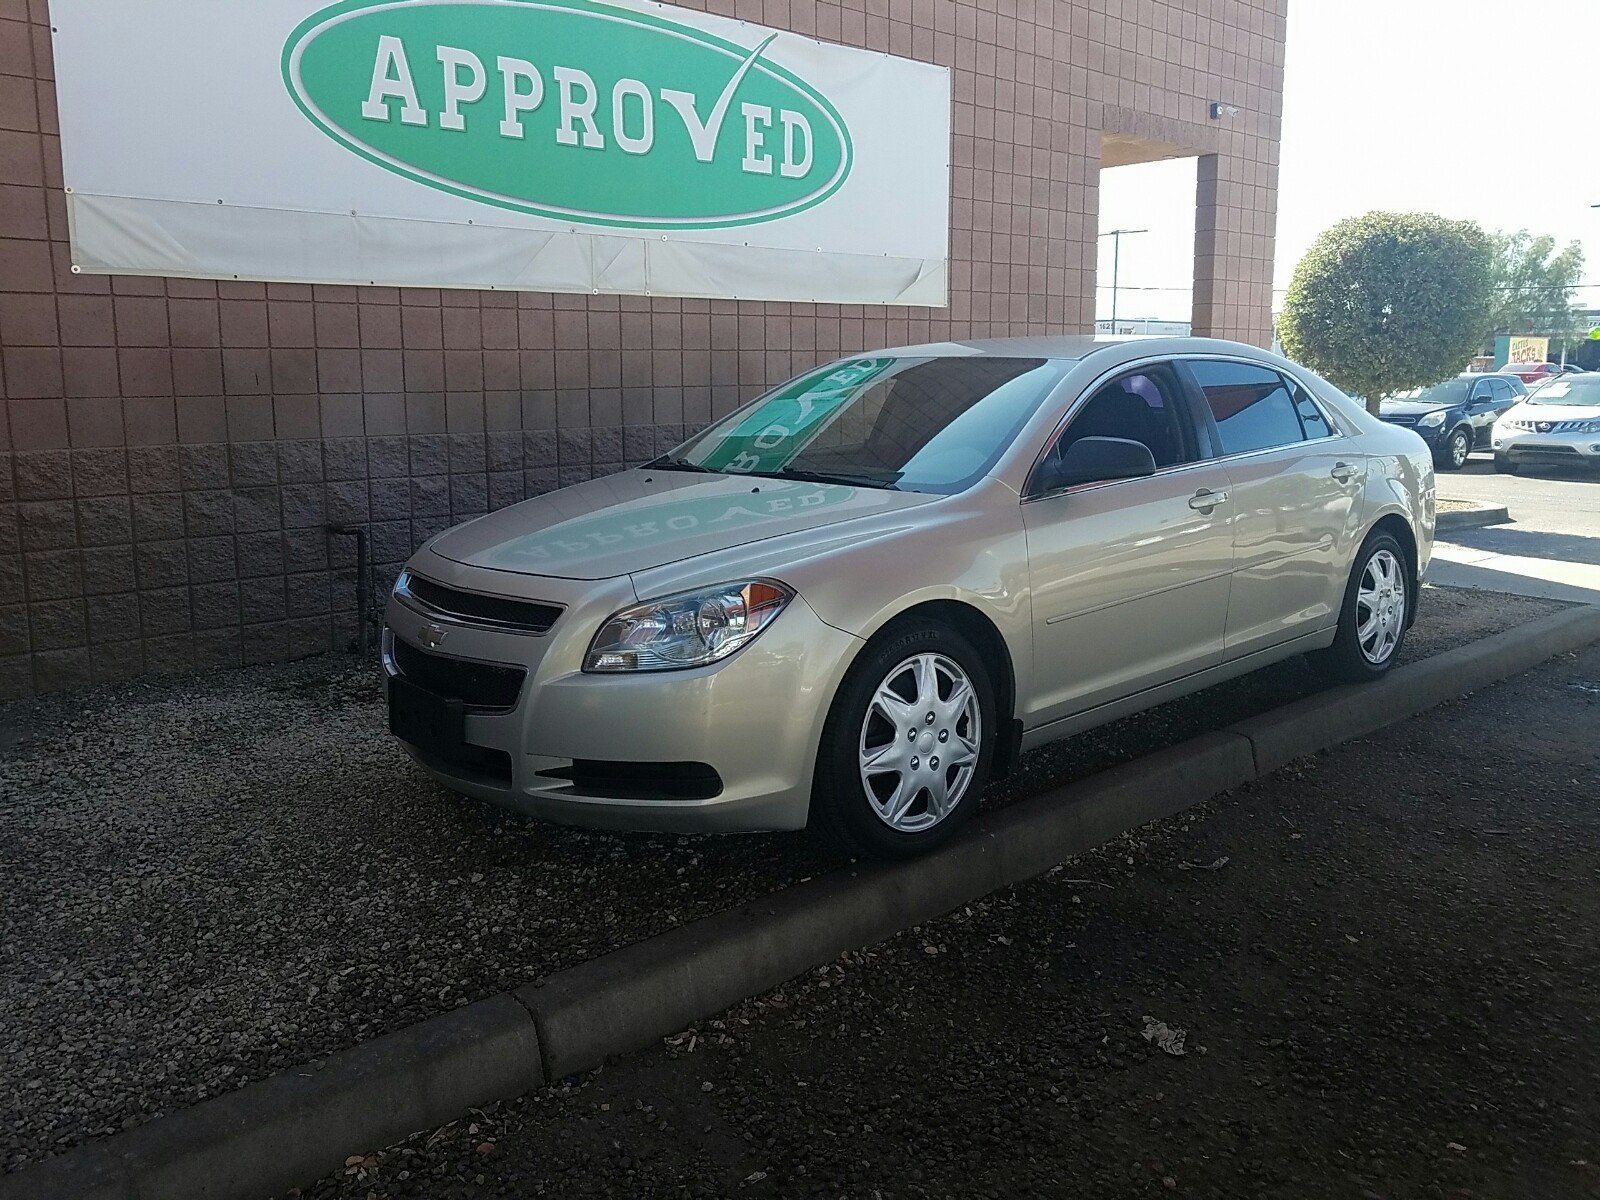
<point x="641" y="519"/>
<point x="1553" y="412"/>
<point x="1408" y="408"/>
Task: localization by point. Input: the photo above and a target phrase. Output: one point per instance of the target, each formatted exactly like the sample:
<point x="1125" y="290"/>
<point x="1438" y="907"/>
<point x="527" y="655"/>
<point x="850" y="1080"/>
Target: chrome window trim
<point x="1335" y="421"/>
<point x="409" y="599"/>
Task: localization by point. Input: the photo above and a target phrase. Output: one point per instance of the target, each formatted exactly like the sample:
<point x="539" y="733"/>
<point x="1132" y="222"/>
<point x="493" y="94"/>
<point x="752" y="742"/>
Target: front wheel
<point x="1456" y="451"/>
<point x="908" y="743"/>
<point x="1376" y="612"/>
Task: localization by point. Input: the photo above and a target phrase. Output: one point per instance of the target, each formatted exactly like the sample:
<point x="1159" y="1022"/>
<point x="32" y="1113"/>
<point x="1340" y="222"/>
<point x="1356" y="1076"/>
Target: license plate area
<point x="434" y="724"/>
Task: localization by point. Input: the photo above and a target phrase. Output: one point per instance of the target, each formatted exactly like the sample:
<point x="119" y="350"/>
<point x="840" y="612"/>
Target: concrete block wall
<point x="171" y="449"/>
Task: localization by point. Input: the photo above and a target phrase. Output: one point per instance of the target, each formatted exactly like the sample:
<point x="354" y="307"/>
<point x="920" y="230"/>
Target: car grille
<point x="1551" y="426"/>
<point x="523" y="616"/>
<point x="1405" y="422"/>
<point x="475" y="684"/>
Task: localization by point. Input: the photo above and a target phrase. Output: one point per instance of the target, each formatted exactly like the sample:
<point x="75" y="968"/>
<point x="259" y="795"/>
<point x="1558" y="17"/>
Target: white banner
<point x="553" y="145"/>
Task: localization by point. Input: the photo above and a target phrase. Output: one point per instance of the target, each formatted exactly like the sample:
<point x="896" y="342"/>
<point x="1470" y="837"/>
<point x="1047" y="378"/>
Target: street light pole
<point x="1116" y="266"/>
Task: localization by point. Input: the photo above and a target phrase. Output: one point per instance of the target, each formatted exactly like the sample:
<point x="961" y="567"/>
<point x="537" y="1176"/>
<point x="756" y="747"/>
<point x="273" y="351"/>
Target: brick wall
<point x="171" y="449"/>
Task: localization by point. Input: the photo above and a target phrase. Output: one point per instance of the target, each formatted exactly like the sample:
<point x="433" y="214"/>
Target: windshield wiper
<point x="667" y="463"/>
<point x="800" y="473"/>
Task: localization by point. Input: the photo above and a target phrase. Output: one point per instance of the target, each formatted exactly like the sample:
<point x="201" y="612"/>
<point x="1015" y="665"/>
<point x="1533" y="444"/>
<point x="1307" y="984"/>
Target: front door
<point x="1295" y="478"/>
<point x="1130" y="577"/>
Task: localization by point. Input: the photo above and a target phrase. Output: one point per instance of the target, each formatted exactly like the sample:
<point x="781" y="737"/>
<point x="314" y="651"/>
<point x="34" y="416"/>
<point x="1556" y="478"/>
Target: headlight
<point x="1432" y="419"/>
<point x="1587" y="427"/>
<point x="687" y="630"/>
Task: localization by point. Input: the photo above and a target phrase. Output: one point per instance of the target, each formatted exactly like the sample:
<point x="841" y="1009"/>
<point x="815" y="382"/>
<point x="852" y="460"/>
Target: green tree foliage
<point x="1534" y="282"/>
<point x="1389" y="301"/>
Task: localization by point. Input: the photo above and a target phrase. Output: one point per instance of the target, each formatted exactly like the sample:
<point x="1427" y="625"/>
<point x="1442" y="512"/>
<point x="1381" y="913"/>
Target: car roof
<point x="1067" y="346"/>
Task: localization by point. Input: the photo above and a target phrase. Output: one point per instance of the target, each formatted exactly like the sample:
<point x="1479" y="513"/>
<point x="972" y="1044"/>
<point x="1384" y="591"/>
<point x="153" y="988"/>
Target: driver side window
<point x="1141" y="406"/>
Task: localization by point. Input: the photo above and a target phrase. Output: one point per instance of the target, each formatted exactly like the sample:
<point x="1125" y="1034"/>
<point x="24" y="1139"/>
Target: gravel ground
<point x="208" y="879"/>
<point x="1372" y="975"/>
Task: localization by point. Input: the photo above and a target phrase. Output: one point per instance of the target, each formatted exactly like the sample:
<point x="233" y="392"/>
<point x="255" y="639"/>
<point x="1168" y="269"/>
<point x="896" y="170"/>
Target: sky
<point x="1467" y="108"/>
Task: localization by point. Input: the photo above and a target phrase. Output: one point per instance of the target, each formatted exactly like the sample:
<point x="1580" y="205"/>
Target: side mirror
<point x="1096" y="460"/>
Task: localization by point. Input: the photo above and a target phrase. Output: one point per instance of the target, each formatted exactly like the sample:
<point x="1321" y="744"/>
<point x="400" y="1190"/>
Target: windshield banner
<point x="780" y="426"/>
<point x="622" y="146"/>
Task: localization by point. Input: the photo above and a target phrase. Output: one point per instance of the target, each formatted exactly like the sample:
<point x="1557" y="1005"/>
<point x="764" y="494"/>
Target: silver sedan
<point x="856" y="600"/>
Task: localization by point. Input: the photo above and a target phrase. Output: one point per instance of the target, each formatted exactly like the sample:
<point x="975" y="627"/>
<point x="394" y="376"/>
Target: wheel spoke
<point x="927" y="682"/>
<point x="905" y="795"/>
<point x="961" y="753"/>
<point x="895" y="710"/>
<point x="885" y="758"/>
<point x="961" y="695"/>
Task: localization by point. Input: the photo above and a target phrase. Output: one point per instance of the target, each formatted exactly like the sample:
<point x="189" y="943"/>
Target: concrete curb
<point x="300" y="1124"/>
<point x="1354" y="710"/>
<point x="1472" y="518"/>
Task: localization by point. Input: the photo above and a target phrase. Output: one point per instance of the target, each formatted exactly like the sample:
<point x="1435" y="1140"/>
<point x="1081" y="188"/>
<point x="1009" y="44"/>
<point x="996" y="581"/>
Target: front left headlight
<point x="687" y="630"/>
<point x="1587" y="427"/>
<point x="1432" y="420"/>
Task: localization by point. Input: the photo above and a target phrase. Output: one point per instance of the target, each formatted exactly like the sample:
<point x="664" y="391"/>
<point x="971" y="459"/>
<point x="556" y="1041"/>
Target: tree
<point x="1389" y="301"/>
<point x="1534" y="284"/>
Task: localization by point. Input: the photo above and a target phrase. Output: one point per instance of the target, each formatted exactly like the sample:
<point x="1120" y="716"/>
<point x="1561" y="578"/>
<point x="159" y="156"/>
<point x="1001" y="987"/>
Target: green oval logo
<point x="569" y="109"/>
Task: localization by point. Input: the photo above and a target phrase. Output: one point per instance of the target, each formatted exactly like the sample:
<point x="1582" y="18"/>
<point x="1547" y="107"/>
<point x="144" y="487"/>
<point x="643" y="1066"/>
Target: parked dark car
<point x="1454" y="417"/>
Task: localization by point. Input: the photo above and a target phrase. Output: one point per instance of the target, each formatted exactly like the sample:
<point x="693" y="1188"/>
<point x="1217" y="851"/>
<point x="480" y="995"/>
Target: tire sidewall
<point x="838" y="795"/>
<point x="1460" y="435"/>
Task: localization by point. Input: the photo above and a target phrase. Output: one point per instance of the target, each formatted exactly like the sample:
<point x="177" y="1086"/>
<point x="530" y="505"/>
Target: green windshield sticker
<point x="779" y="429"/>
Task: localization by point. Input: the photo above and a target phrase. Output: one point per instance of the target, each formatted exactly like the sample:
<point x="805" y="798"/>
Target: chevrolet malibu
<point x="855" y="601"/>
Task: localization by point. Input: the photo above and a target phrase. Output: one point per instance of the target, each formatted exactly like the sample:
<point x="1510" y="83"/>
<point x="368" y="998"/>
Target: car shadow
<point x="1527" y="543"/>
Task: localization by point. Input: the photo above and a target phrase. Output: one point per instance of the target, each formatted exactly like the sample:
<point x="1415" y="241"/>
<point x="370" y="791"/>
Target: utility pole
<point x="1116" y="267"/>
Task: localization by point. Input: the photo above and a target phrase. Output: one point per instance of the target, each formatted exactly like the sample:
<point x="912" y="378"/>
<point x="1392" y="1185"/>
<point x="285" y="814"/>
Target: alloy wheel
<point x="1460" y="447"/>
<point x="919" y="742"/>
<point x="1381" y="607"/>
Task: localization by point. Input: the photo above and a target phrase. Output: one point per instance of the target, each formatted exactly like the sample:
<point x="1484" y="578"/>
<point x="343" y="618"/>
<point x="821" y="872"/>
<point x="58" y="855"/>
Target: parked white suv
<point x="1558" y="425"/>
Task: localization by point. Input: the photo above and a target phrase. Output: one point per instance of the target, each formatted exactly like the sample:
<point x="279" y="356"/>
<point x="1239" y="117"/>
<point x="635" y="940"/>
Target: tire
<point x="1388" y="591"/>
<point x="856" y="806"/>
<point x="1454" y="454"/>
<point x="1504" y="466"/>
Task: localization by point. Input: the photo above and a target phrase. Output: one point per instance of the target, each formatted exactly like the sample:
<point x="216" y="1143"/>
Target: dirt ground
<point x="211" y="878"/>
<point x="1372" y="975"/>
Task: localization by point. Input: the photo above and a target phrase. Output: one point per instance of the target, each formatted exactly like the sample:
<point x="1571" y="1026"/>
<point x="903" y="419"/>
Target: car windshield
<point x="914" y="424"/>
<point x="1451" y="391"/>
<point x="1568" y="389"/>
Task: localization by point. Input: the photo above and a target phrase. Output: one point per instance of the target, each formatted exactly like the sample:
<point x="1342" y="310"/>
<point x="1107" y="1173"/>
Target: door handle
<point x="1206" y="499"/>
<point x="1343" y="472"/>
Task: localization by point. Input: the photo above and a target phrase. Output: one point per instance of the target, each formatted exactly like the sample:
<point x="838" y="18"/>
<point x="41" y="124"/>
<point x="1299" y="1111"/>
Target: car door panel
<point x="1294" y="476"/>
<point x="1130" y="587"/>
<point x="1294" y="508"/>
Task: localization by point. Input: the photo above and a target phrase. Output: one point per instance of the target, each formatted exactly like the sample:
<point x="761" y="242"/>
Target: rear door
<point x="1294" y="477"/>
<point x="1129" y="576"/>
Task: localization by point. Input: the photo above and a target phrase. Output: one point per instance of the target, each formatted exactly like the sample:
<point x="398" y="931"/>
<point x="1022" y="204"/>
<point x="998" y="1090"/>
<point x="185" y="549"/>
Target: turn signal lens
<point x="687" y="630"/>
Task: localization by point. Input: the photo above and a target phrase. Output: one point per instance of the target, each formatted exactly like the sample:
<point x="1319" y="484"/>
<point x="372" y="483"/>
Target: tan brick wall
<point x="171" y="449"/>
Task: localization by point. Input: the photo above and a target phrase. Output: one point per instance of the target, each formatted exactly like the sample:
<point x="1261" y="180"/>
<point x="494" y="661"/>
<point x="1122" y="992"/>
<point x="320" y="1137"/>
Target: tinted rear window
<point x="1252" y="406"/>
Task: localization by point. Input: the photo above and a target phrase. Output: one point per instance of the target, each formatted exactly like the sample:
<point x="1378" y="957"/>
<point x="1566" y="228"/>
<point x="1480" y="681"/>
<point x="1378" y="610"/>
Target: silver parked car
<point x="857" y="599"/>
<point x="1557" y="426"/>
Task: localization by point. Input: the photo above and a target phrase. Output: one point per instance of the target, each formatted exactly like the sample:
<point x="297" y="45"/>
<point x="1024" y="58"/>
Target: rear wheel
<point x="1376" y="612"/>
<point x="1504" y="466"/>
<point x="908" y="743"/>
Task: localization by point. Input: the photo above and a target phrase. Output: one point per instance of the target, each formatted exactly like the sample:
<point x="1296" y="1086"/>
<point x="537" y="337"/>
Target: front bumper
<point x="754" y="719"/>
<point x="1548" y="449"/>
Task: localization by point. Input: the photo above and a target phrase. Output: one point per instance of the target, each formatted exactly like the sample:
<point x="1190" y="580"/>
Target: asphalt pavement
<point x="1370" y="975"/>
<point x="1552" y="547"/>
